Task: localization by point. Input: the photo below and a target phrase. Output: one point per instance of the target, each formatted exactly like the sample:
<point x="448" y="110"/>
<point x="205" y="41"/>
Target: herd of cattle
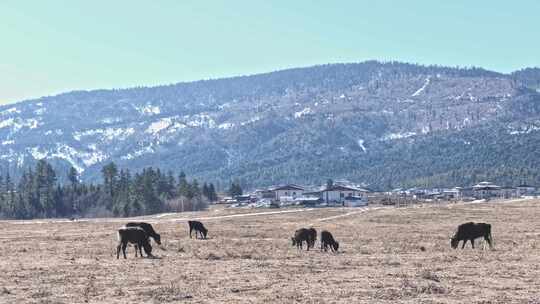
<point x="139" y="234"/>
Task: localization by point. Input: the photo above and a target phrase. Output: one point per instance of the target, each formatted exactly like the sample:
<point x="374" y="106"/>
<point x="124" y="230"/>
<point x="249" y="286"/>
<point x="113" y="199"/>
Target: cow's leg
<point x="118" y="251"/>
<point x="136" y="248"/>
<point x="190" y="230"/>
<point x="124" y="246"/>
<point x="472" y="243"/>
<point x="490" y="241"/>
<point x="464" y="242"/>
<point x="139" y="247"/>
<point x="322" y="246"/>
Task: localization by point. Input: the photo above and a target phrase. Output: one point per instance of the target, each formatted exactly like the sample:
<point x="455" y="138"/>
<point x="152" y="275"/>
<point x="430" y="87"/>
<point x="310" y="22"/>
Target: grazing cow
<point x="198" y="227"/>
<point x="148" y="229"/>
<point x="328" y="240"/>
<point x="471" y="231"/>
<point x="312" y="237"/>
<point x="301" y="235"/>
<point x="136" y="236"/>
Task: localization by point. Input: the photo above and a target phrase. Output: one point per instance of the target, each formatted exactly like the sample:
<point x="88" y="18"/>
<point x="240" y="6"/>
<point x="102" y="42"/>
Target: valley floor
<point x="387" y="255"/>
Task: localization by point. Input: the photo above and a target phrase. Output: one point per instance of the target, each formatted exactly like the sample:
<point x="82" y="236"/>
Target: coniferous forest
<point x="39" y="194"/>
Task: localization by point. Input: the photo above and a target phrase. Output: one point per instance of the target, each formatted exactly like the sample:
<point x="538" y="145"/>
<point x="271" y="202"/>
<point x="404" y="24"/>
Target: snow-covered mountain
<point x="378" y="123"/>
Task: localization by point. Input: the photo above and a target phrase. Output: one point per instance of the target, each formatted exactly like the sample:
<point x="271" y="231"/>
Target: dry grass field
<point x="387" y="255"/>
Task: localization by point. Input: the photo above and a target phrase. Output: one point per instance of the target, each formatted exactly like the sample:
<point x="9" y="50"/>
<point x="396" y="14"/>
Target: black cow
<point x="133" y="235"/>
<point x="328" y="240"/>
<point x="198" y="227"/>
<point x="148" y="229"/>
<point x="302" y="235"/>
<point x="471" y="231"/>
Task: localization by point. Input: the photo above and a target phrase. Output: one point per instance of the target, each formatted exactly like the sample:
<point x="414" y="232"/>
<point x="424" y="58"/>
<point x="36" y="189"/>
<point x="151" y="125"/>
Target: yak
<point x="471" y="231"/>
<point x="136" y="236"/>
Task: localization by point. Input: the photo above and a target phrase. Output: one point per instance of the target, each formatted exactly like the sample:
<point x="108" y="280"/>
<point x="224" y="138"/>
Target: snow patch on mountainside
<point x="200" y="120"/>
<point x="80" y="160"/>
<point x="523" y="130"/>
<point x="17" y="123"/>
<point x="419" y="91"/>
<point x="302" y="113"/>
<point x="361" y="145"/>
<point x="393" y="136"/>
<point x="107" y="134"/>
<point x="10" y="111"/>
<point x="159" y="125"/>
<point x="148" y="109"/>
<point x="143" y="150"/>
<point x="251" y="120"/>
<point x="226" y="126"/>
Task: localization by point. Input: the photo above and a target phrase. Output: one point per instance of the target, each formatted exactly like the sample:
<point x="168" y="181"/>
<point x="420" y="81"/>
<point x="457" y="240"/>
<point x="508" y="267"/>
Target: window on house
<point x="341" y="194"/>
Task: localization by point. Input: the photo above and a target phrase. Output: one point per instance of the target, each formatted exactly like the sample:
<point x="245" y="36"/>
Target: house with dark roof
<point x="287" y="191"/>
<point x="338" y="193"/>
<point x="525" y="189"/>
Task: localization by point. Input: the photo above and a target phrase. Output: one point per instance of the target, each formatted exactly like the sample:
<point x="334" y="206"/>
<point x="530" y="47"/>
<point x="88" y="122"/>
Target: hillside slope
<point x="384" y="124"/>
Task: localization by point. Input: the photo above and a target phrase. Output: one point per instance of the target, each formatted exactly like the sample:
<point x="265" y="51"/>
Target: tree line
<point x="38" y="194"/>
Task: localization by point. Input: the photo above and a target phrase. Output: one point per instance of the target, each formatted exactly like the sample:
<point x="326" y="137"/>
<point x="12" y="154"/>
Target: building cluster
<point x="337" y="194"/>
<point x="343" y="193"/>
<point x="483" y="190"/>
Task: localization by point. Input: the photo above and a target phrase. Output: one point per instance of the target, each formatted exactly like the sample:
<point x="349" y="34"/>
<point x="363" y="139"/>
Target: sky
<point x="49" y="47"/>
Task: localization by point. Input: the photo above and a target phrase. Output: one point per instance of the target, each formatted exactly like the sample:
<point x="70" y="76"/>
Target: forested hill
<point x="384" y="124"/>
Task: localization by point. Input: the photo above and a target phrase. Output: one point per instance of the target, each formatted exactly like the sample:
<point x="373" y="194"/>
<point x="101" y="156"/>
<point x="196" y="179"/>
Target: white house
<point x="526" y="190"/>
<point x="338" y="193"/>
<point x="486" y="190"/>
<point x="288" y="191"/>
<point x="355" y="201"/>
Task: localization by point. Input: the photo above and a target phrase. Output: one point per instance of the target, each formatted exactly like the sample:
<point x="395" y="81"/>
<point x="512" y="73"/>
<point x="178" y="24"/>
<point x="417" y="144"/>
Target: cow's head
<point x="336" y="246"/>
<point x="204" y="231"/>
<point x="454" y="242"/>
<point x="147" y="248"/>
<point x="157" y="238"/>
<point x="293" y="241"/>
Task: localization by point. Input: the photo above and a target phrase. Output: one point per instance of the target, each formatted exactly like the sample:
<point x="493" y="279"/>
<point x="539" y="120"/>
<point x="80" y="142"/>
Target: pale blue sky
<point x="52" y="46"/>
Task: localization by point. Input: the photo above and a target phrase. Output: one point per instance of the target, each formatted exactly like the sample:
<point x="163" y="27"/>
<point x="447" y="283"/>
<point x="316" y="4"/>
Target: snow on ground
<point x="523" y="130"/>
<point x="419" y="91"/>
<point x="148" y="109"/>
<point x="39" y="111"/>
<point x="17" y="123"/>
<point x="303" y="112"/>
<point x="393" y="136"/>
<point x="200" y="120"/>
<point x="80" y="160"/>
<point x="144" y="150"/>
<point x="107" y="134"/>
<point x="8" y="142"/>
<point x="111" y="120"/>
<point x="361" y="145"/>
<point x="10" y="111"/>
<point x="159" y="125"/>
<point x="251" y="120"/>
<point x="226" y="125"/>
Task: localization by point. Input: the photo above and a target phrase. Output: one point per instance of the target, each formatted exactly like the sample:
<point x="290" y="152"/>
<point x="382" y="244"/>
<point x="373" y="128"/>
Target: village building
<point x="526" y="190"/>
<point x="287" y="192"/>
<point x="338" y="193"/>
<point x="509" y="192"/>
<point x="355" y="201"/>
<point x="486" y="190"/>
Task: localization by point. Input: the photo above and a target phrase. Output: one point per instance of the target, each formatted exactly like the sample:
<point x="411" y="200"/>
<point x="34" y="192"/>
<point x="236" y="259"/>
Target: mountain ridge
<point x="249" y="127"/>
